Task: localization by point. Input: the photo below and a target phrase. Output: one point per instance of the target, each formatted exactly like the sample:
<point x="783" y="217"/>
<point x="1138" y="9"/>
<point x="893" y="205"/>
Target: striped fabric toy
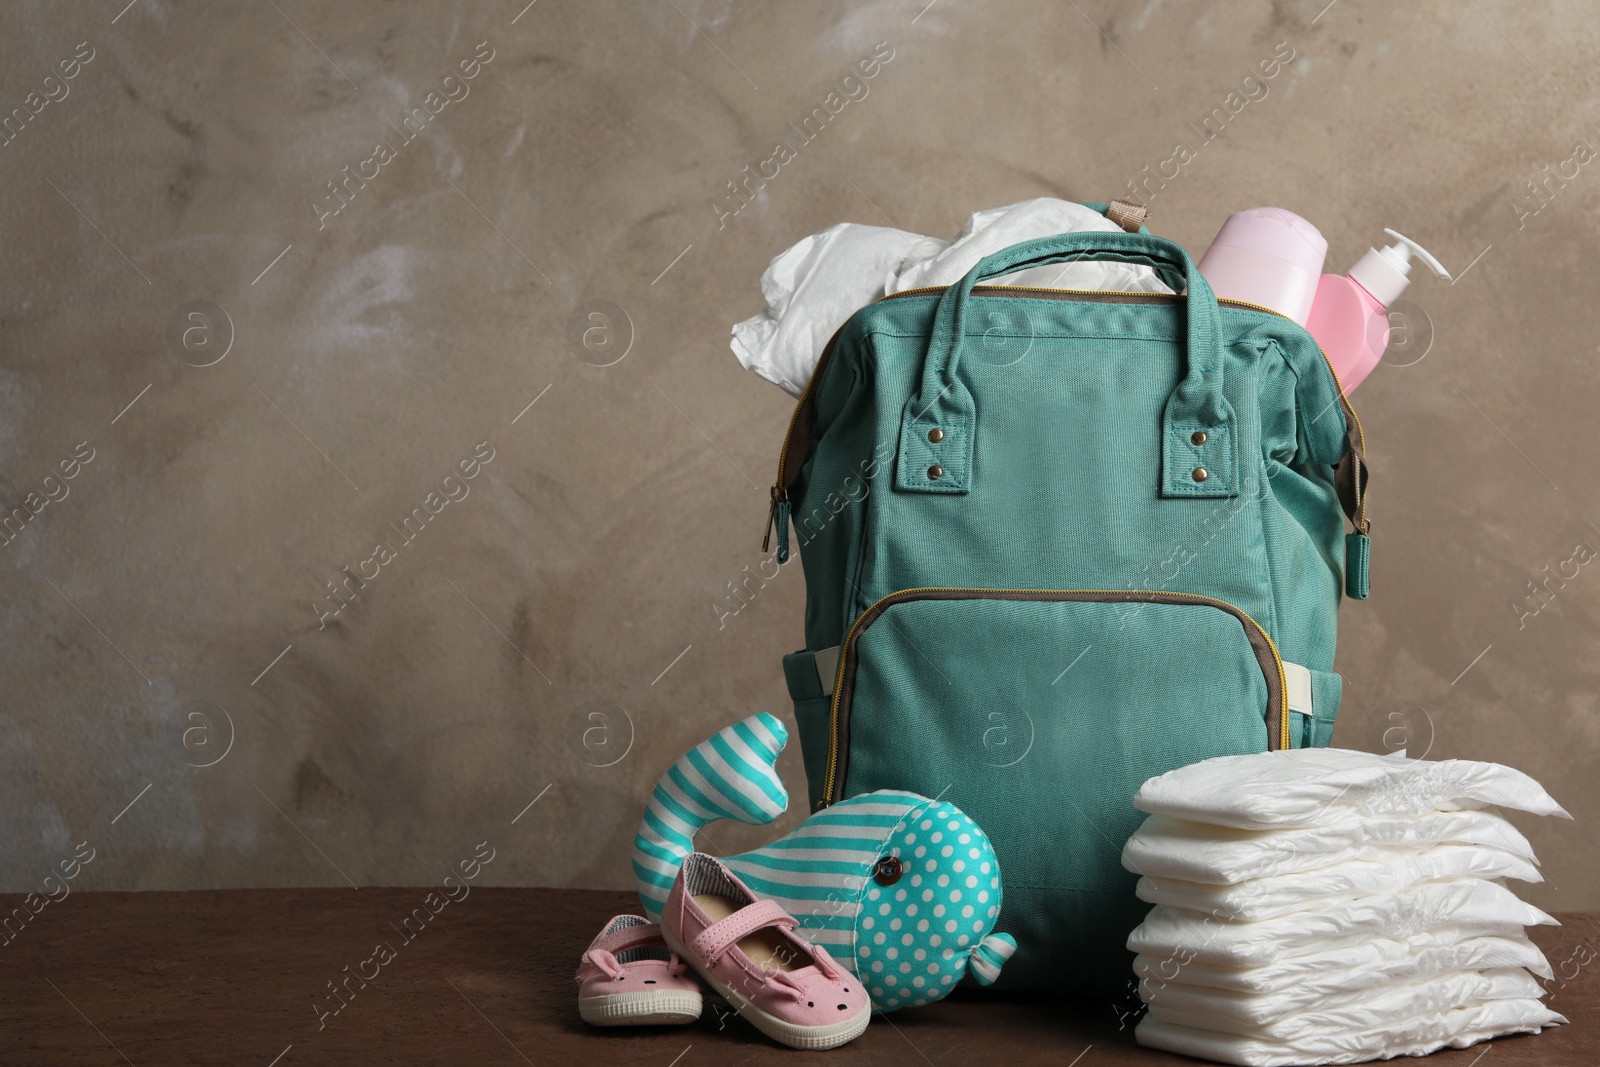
<point x="902" y="889"/>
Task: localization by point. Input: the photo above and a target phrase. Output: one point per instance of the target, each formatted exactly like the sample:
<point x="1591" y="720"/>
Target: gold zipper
<point x="780" y="490"/>
<point x="1344" y="398"/>
<point x="865" y="619"/>
<point x="1121" y="295"/>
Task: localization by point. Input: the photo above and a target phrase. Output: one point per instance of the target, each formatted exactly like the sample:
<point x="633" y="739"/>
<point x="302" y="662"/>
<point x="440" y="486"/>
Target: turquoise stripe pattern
<point x="903" y="890"/>
<point x="730" y="776"/>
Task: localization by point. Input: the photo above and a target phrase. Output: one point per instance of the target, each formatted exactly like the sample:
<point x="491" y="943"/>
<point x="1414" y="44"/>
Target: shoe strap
<point x="716" y="939"/>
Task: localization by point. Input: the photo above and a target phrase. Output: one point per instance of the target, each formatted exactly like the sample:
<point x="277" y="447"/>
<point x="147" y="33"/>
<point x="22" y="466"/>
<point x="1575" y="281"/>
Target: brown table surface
<point x="231" y="977"/>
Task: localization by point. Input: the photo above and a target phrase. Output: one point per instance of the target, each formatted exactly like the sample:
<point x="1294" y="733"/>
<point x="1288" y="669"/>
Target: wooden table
<point x="237" y="977"/>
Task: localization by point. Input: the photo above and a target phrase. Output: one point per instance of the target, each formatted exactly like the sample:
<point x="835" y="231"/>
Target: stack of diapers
<point x="1330" y="906"/>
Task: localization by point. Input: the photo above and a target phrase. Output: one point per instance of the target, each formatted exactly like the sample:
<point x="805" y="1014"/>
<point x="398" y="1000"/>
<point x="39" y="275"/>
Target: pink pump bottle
<point x="1350" y="315"/>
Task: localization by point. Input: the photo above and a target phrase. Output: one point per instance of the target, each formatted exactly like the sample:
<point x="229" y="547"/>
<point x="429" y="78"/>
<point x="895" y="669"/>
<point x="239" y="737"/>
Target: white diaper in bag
<point x="814" y="286"/>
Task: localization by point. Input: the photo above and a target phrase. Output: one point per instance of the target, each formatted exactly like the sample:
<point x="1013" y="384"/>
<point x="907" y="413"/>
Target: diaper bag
<point x="1056" y="542"/>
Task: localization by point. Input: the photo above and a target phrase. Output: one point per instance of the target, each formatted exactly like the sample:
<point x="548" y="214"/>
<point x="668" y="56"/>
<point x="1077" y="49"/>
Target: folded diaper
<point x="1352" y="967"/>
<point x="1294" y="788"/>
<point x="1445" y="910"/>
<point x="1414" y="1036"/>
<point x="1323" y="906"/>
<point x="1293" y="1014"/>
<point x="1391" y="871"/>
<point x="1196" y="852"/>
<point x="812" y="288"/>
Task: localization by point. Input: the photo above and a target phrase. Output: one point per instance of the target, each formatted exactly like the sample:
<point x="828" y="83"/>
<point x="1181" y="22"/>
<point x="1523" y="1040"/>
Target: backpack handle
<point x="1198" y="447"/>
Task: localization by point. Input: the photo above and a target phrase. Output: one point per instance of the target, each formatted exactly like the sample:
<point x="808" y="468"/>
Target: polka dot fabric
<point x="915" y="936"/>
<point x="901" y="889"/>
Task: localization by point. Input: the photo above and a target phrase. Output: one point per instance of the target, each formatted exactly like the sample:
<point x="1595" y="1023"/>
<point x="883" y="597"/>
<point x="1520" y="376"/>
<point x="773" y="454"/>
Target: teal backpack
<point x="1056" y="542"/>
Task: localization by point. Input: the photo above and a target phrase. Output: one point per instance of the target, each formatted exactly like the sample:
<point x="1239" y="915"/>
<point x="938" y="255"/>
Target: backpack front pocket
<point x="1006" y="702"/>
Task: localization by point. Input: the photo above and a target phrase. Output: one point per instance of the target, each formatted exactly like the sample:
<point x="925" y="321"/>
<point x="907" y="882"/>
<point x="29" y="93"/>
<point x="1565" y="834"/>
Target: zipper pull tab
<point x="778" y="514"/>
<point x="772" y="513"/>
<point x="1357" y="550"/>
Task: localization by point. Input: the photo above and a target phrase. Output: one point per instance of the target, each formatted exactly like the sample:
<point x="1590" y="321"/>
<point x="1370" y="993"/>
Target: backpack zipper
<point x="1359" y="520"/>
<point x="780" y="488"/>
<point x="833" y="783"/>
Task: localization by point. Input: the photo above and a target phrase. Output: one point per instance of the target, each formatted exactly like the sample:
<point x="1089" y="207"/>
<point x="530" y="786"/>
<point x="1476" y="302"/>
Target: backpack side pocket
<point x="804" y="671"/>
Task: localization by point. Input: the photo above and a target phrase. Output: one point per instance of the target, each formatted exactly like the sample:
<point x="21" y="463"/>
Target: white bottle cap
<point x="1384" y="273"/>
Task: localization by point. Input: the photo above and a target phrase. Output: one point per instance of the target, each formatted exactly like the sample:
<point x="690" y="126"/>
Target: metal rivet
<point x="936" y="435"/>
<point x="1200" y="474"/>
<point x="1198" y="437"/>
<point x="888" y="870"/>
<point x="936" y="472"/>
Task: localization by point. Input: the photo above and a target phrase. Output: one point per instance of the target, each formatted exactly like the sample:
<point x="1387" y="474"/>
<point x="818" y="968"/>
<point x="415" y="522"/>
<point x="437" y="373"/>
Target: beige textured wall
<point x="147" y="610"/>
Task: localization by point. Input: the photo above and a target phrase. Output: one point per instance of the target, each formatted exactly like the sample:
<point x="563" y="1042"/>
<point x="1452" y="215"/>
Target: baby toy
<point x="903" y="890"/>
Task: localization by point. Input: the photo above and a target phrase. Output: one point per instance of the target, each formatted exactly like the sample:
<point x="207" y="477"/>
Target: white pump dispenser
<point x="1350" y="315"/>
<point x="1384" y="273"/>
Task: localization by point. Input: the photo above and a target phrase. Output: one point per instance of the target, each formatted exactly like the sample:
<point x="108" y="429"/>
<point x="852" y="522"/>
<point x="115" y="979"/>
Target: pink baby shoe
<point x="628" y="977"/>
<point x="746" y="949"/>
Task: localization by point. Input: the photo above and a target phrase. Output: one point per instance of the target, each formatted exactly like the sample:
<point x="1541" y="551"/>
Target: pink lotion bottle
<point x="1350" y="316"/>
